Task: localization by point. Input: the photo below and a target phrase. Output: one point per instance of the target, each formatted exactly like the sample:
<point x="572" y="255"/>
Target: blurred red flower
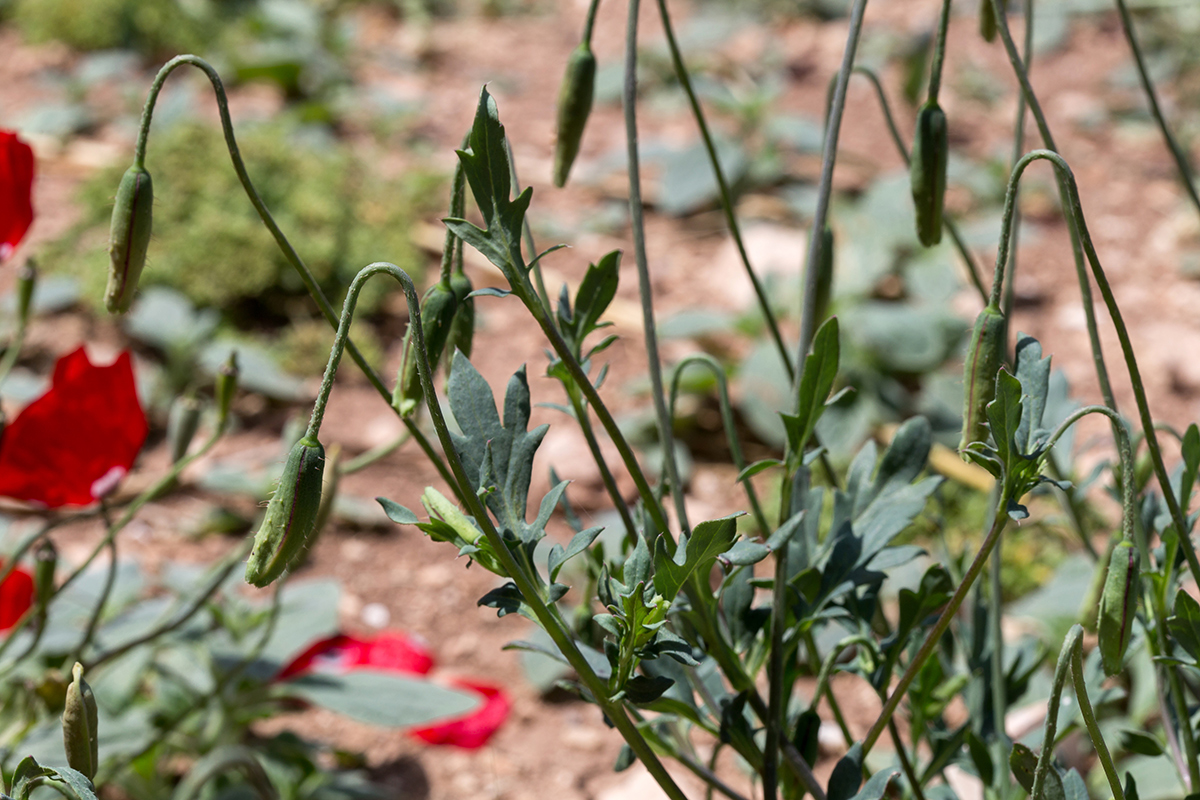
<point x="16" y="190"/>
<point x="342" y="653"/>
<point x="16" y="596"/>
<point x="402" y="653"/>
<point x="72" y="445"/>
<point x="473" y="730"/>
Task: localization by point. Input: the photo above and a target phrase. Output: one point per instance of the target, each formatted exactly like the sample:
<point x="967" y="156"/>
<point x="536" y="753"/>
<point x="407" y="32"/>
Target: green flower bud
<point x="987" y="21"/>
<point x="183" y="420"/>
<point x="984" y="354"/>
<point x="26" y="282"/>
<point x="1118" y="605"/>
<point x="462" y="329"/>
<point x="225" y="387"/>
<point x="79" y="721"/>
<point x="437" y="316"/>
<point x="291" y="515"/>
<point x="574" y="106"/>
<point x="824" y="278"/>
<point x="129" y="238"/>
<point x="45" y="561"/>
<point x="928" y="171"/>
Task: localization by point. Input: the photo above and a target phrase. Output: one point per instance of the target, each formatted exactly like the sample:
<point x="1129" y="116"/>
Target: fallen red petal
<point x="74" y="443"/>
<point x="16" y="191"/>
<point x="475" y="729"/>
<point x="16" y="596"/>
<point x="342" y="653"/>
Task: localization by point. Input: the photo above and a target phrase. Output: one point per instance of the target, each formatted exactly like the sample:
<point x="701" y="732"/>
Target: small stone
<point x="376" y="615"/>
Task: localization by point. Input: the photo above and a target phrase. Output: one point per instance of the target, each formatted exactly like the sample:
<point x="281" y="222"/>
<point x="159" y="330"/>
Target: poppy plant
<point x="72" y="445"/>
<point x="398" y="652"/>
<point x="16" y="191"/>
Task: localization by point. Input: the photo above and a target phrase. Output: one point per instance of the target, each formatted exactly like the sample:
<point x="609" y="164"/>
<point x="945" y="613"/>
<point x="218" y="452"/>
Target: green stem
<point x="637" y="223"/>
<point x="361" y="462"/>
<point x="525" y="583"/>
<point x="1051" y="728"/>
<point x="939" y="53"/>
<point x="727" y="205"/>
<point x="610" y="483"/>
<point x="1185" y="170"/>
<point x="94" y="620"/>
<point x="960" y="244"/>
<point x="735" y="444"/>
<point x="905" y="764"/>
<point x="1017" y="151"/>
<point x="527" y="234"/>
<point x="939" y="628"/>
<point x="593" y="7"/>
<point x="1089" y="716"/>
<point x="824" y="192"/>
<point x="264" y="214"/>
<point x="1085" y="289"/>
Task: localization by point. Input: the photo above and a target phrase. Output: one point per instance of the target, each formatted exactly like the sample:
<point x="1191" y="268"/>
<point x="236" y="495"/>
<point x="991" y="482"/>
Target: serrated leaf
<point x="1004" y="415"/>
<point x="1033" y="373"/>
<point x="708" y="540"/>
<point x="578" y="544"/>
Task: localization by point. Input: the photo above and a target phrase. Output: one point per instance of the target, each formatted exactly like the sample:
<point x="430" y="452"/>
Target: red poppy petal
<point x="474" y="730"/>
<point x="16" y="188"/>
<point x="71" y="445"/>
<point x="341" y="653"/>
<point x="16" y="596"/>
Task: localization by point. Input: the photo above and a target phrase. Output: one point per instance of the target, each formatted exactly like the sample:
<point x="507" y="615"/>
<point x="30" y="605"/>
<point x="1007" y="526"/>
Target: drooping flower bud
<point x="931" y="148"/>
<point x="462" y="328"/>
<point x="984" y="353"/>
<point x="45" y="561"/>
<point x="80" y="724"/>
<point x="574" y="106"/>
<point x="183" y="420"/>
<point x="437" y="317"/>
<point x="987" y="21"/>
<point x="291" y="514"/>
<point x="225" y="387"/>
<point x="26" y="283"/>
<point x="129" y="238"/>
<point x="1118" y="605"/>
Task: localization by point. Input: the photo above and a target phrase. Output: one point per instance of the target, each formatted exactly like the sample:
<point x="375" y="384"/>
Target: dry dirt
<point x="560" y="748"/>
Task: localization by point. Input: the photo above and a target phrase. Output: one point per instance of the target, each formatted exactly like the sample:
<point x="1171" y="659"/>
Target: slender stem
<point x="727" y="205"/>
<point x="94" y="620"/>
<point x="264" y="213"/>
<point x="610" y="483"/>
<point x="373" y="455"/>
<point x="593" y="7"/>
<point x="637" y="223"/>
<point x="1185" y="170"/>
<point x="1089" y="716"/>
<point x="939" y="628"/>
<point x="221" y="572"/>
<point x="735" y="443"/>
<point x="999" y="690"/>
<point x="775" y="675"/>
<point x="825" y="191"/>
<point x="905" y="764"/>
<point x="1017" y="151"/>
<point x="960" y="244"/>
<point x="1159" y="646"/>
<point x="1051" y="728"/>
<point x="939" y="53"/>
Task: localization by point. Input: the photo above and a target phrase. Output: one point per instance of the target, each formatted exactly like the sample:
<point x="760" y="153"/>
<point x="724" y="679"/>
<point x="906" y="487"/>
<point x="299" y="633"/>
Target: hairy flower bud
<point x="574" y="106"/>
<point x="79" y="721"/>
<point x="984" y="353"/>
<point x="291" y="515"/>
<point x="931" y="148"/>
<point x="437" y="317"/>
<point x="183" y="420"/>
<point x="129" y="238"/>
<point x="45" y="563"/>
<point x="1118" y="605"/>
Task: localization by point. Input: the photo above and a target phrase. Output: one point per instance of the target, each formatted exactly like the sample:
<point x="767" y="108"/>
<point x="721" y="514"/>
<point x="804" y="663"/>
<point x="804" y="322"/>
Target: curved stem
<point x="727" y="205"/>
<point x="1089" y="716"/>
<point x="1051" y="727"/>
<point x="264" y="214"/>
<point x="101" y="601"/>
<point x="637" y="223"/>
<point x="593" y="7"/>
<point x="1185" y="169"/>
<point x="735" y="444"/>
